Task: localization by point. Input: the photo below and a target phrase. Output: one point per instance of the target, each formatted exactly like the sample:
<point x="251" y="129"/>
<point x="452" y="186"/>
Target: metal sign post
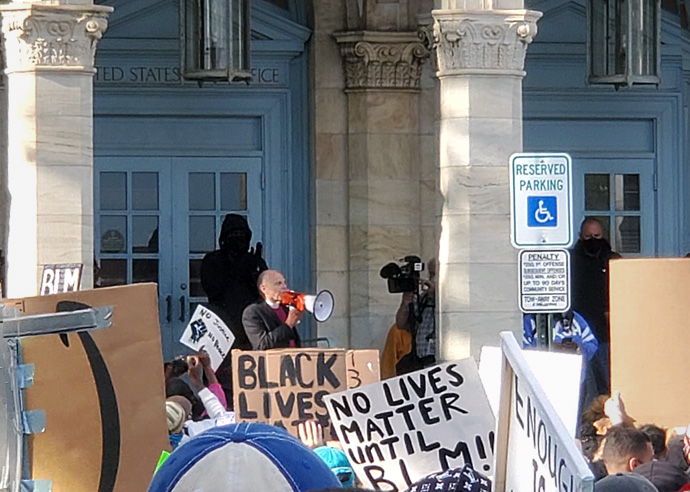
<point x="15" y="422"/>
<point x="541" y="214"/>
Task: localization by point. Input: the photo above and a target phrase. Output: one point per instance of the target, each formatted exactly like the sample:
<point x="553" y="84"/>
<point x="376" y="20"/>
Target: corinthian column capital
<point x="489" y="42"/>
<point x="382" y="60"/>
<point x="52" y="37"/>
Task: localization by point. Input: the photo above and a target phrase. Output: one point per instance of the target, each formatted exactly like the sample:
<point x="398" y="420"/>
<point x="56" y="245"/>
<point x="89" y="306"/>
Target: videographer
<point x="417" y="315"/>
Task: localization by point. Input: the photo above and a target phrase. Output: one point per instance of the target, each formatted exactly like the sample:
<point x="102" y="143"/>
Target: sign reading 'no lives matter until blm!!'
<point x="544" y="281"/>
<point x="399" y="430"/>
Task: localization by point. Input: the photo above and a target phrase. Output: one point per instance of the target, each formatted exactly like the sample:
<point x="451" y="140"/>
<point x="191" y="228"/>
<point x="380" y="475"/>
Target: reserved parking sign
<point x="541" y="200"/>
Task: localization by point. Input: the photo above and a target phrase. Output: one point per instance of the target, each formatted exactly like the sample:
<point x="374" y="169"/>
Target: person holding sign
<point x="200" y="367"/>
<point x="212" y="398"/>
<point x="268" y="323"/>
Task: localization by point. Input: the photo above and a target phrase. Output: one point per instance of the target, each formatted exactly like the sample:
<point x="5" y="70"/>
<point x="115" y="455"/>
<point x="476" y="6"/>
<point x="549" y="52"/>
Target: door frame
<point x="174" y="300"/>
<point x="645" y="169"/>
<point x="180" y="168"/>
<point x="285" y="184"/>
<point x="144" y="164"/>
<point x="664" y="110"/>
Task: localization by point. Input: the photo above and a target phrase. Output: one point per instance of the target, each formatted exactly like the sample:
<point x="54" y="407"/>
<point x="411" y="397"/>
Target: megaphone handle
<point x="294" y="308"/>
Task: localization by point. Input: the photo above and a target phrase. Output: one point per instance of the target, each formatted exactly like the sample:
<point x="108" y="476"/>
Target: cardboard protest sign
<point x="402" y="429"/>
<point x="649" y="329"/>
<point x="102" y="392"/>
<point x="534" y="450"/>
<point x="362" y="368"/>
<point x="57" y="279"/>
<point x="206" y="331"/>
<point x="284" y="387"/>
<point x="561" y="387"/>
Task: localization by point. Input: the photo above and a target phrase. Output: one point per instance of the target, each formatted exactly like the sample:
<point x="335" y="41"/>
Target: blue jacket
<point x="579" y="332"/>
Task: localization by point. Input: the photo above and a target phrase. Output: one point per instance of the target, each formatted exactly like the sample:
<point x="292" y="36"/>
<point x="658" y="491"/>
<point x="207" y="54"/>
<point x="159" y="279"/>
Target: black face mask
<point x="593" y="246"/>
<point x="236" y="242"/>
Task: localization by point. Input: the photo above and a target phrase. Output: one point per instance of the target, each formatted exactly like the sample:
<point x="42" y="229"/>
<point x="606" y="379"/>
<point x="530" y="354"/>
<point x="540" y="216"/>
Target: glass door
<point x="206" y="190"/>
<point x="132" y="216"/>
<point x="156" y="218"/>
<point x="620" y="194"/>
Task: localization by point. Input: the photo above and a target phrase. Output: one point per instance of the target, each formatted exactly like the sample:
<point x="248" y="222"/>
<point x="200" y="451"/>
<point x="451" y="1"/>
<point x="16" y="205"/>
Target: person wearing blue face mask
<point x="589" y="263"/>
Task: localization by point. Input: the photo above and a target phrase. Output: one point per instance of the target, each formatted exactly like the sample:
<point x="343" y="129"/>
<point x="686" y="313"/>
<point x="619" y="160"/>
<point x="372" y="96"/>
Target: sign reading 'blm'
<point x="397" y="431"/>
<point x="58" y="279"/>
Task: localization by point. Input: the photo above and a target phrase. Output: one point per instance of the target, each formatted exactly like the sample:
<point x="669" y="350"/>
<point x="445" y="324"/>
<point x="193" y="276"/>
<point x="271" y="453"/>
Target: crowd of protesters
<point x="622" y="455"/>
<point x="626" y="456"/>
<point x="209" y="447"/>
<point x="200" y="422"/>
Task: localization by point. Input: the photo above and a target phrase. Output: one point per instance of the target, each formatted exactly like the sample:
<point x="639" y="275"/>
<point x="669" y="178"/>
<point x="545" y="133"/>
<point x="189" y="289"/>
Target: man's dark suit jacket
<point x="264" y="328"/>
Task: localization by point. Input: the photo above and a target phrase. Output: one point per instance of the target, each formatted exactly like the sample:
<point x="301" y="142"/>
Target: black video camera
<point x="403" y="277"/>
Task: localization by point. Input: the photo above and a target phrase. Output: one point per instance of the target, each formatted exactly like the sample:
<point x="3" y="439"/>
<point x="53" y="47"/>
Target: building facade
<point x="362" y="138"/>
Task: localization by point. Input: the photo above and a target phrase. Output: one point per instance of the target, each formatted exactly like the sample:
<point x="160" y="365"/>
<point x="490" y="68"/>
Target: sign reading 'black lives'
<point x="400" y="430"/>
<point x="285" y="387"/>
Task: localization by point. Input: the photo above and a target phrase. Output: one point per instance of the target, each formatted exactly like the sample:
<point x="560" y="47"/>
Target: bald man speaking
<point x="268" y="323"/>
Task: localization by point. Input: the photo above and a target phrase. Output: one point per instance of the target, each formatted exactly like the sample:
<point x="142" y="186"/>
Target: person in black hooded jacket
<point x="229" y="277"/>
<point x="589" y="263"/>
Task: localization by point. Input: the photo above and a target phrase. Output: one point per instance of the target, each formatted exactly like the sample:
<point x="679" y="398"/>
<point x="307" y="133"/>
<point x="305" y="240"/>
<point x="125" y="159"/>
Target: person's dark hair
<point x="621" y="444"/>
<point x="178" y="366"/>
<point x="176" y="386"/>
<point x="589" y="220"/>
<point x="588" y="433"/>
<point x="332" y="434"/>
<point x="595" y="410"/>
<point x="235" y="229"/>
<point x="657" y="436"/>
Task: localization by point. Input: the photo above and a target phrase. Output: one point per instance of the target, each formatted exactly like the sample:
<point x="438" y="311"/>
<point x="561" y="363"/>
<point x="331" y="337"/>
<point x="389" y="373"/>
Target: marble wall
<point x="423" y="168"/>
<point x="4" y="193"/>
<point x="375" y="167"/>
<point x="384" y="204"/>
<point x="430" y="198"/>
<point x="330" y="226"/>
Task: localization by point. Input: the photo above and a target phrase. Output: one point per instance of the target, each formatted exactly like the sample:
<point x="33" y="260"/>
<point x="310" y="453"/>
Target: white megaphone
<point x="320" y="305"/>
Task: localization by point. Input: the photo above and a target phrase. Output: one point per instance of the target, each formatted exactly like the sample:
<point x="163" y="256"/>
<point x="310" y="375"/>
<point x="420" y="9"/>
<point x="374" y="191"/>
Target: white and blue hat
<point x="243" y="457"/>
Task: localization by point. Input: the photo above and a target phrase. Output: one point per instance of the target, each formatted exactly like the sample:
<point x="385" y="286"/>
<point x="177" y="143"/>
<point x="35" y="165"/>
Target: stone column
<point x="480" y="54"/>
<point x="382" y="75"/>
<point x="49" y="65"/>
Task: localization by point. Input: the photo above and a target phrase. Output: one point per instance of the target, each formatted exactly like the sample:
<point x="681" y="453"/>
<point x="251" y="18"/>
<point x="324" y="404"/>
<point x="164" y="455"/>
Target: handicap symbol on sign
<point x="542" y="211"/>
